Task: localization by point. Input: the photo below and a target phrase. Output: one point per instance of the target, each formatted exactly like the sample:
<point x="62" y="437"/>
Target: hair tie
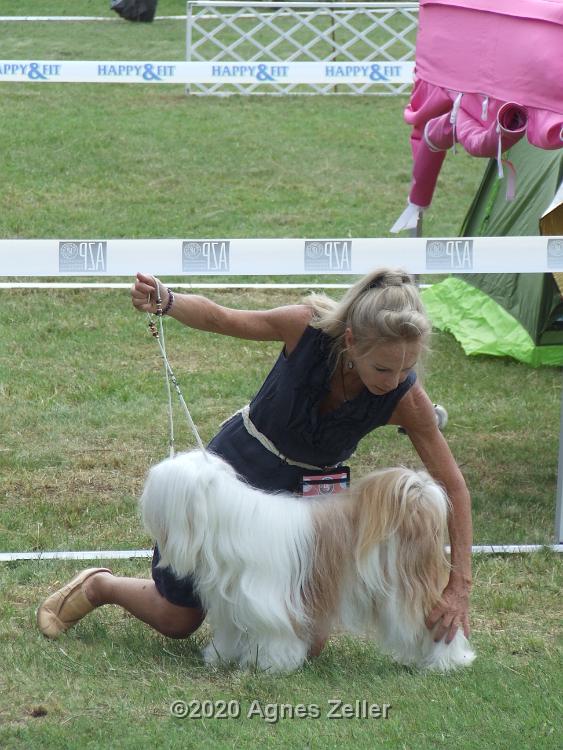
<point x="388" y="279"/>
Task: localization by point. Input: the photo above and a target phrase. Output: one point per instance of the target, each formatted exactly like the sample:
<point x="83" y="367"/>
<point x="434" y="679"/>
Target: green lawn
<point x="83" y="409"/>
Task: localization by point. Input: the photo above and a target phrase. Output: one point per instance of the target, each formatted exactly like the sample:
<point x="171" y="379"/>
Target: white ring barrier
<point x="486" y="549"/>
<point x="195" y="285"/>
<point x="218" y="71"/>
<point x="59" y="19"/>
<point x="270" y="257"/>
<point x="286" y="257"/>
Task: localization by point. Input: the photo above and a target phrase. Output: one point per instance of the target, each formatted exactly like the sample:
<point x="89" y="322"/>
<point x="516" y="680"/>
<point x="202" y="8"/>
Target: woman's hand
<point x="451" y="612"/>
<point x="143" y="293"/>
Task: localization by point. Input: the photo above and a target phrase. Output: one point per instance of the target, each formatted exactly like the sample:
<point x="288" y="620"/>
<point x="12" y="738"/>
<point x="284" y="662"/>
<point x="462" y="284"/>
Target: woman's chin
<point x="377" y="391"/>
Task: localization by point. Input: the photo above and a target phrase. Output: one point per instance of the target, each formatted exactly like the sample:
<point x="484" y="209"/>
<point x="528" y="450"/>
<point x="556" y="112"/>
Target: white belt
<point x="255" y="432"/>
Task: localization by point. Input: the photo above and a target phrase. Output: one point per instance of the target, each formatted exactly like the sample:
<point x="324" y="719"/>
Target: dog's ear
<point x="380" y="508"/>
<point x="403" y="514"/>
<point x="422" y="562"/>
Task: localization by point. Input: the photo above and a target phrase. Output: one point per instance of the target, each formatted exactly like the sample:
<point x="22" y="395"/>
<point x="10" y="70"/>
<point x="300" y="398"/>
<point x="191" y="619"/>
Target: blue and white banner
<point x="122" y="71"/>
<point x="281" y="257"/>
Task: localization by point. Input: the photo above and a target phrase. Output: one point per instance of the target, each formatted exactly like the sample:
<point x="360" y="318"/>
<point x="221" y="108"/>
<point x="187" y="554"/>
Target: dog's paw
<point x="444" y="657"/>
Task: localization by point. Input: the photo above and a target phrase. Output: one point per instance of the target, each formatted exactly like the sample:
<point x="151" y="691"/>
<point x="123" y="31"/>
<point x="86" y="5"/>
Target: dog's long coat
<point x="274" y="571"/>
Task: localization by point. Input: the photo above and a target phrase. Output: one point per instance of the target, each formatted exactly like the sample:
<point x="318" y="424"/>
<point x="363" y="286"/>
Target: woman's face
<point x="386" y="365"/>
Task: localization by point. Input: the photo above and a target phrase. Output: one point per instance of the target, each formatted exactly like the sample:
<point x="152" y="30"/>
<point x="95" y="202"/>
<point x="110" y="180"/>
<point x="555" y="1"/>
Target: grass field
<point x="83" y="409"/>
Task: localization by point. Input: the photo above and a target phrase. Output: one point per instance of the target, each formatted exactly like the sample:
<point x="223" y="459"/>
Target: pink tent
<point x="488" y="72"/>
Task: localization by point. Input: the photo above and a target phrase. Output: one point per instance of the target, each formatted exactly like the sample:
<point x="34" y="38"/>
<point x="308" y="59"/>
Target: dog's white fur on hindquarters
<point x="274" y="570"/>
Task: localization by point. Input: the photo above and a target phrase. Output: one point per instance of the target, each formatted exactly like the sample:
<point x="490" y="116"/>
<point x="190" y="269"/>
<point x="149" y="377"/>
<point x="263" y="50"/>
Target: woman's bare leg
<point x="140" y="597"/>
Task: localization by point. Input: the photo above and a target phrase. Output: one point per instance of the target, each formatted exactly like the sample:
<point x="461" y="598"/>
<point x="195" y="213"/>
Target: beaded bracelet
<point x="170" y="301"/>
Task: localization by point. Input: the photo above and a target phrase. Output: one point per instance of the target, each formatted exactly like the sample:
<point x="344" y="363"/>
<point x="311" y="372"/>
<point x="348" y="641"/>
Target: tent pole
<point x="551" y="223"/>
<point x="417" y="232"/>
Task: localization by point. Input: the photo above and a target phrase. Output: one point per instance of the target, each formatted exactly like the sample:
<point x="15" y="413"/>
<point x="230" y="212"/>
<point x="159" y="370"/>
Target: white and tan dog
<point x="273" y="571"/>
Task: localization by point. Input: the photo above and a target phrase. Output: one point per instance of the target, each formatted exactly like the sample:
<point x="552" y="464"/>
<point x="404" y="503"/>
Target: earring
<point x="350" y="365"/>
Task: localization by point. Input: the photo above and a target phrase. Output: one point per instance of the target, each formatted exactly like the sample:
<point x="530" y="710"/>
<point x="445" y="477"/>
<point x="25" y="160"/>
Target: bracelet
<point x="170" y="302"/>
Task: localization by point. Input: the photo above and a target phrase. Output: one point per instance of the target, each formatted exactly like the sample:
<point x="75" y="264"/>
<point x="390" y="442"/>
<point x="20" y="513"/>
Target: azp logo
<point x="205" y="256"/>
<point x="449" y="255"/>
<point x="328" y="255"/>
<point x="83" y="256"/>
<point x="555" y="253"/>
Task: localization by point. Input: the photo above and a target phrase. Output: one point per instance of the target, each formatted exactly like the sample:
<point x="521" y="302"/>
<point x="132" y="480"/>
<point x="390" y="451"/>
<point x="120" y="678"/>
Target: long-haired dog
<point x="273" y="571"/>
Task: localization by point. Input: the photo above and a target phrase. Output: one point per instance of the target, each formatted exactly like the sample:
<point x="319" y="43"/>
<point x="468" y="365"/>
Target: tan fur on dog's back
<point x="334" y="541"/>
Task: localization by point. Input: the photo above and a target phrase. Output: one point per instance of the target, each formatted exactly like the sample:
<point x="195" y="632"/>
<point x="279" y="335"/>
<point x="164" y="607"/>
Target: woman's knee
<point x="179" y="622"/>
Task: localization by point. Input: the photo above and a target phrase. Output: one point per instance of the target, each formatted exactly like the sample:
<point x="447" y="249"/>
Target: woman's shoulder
<point x="294" y="323"/>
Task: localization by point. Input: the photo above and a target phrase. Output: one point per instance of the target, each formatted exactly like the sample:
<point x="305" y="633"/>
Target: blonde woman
<point x="345" y="369"/>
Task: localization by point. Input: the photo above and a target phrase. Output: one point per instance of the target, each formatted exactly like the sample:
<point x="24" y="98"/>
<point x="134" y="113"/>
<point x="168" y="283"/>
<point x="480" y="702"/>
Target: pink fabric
<point x="426" y="102"/>
<point x="545" y="129"/>
<point x="506" y="58"/>
<point x="511" y="57"/>
<point x="545" y="10"/>
<point x="426" y="169"/>
<point x="477" y="137"/>
<point x="439" y="133"/>
<point x="484" y="141"/>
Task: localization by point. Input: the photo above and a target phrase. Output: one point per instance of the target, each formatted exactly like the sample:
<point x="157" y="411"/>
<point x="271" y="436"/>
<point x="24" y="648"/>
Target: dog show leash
<point x="158" y="334"/>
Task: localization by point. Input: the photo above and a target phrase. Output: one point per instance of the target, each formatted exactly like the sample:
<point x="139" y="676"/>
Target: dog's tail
<point x="179" y="505"/>
<point x="402" y="528"/>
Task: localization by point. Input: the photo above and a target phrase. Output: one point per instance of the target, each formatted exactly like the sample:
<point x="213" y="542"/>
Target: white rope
<point x="499" y="152"/>
<point x="453" y="118"/>
<point x="485" y="108"/>
<point x="171" y="445"/>
<point x="169" y="375"/>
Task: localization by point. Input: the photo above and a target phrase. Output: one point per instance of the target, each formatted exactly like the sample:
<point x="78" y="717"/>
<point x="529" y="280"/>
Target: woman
<point x="345" y="369"/>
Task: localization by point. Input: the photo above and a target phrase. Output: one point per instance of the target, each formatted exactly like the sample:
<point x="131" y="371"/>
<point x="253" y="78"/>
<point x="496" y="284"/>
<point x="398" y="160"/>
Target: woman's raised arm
<point x="279" y="324"/>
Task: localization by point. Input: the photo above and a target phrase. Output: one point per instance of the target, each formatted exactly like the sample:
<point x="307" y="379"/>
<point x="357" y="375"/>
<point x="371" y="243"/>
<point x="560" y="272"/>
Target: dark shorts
<point x="179" y="591"/>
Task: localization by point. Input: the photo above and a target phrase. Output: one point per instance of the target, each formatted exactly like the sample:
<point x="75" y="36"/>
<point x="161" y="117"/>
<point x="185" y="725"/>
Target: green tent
<point x="509" y="314"/>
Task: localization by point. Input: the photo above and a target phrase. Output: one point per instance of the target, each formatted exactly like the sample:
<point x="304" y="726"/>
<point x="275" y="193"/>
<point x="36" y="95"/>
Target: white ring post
<point x="559" y="496"/>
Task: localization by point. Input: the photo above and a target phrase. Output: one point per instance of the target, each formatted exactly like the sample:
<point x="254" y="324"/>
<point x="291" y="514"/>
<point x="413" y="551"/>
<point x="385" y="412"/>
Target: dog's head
<point x="401" y="526"/>
<point x="398" y="501"/>
<point x="178" y="505"/>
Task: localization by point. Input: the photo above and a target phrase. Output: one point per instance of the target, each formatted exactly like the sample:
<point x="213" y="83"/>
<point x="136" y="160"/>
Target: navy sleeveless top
<point x="286" y="410"/>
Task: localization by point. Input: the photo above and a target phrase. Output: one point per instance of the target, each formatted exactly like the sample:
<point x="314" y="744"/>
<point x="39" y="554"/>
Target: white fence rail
<point x="337" y="32"/>
<point x="286" y="257"/>
<point x="131" y="554"/>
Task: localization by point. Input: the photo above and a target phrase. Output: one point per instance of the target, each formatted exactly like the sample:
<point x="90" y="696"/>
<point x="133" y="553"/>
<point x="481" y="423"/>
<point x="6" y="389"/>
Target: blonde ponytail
<point x="383" y="307"/>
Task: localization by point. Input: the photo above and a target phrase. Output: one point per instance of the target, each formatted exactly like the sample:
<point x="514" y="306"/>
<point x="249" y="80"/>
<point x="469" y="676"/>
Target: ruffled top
<point x="286" y="408"/>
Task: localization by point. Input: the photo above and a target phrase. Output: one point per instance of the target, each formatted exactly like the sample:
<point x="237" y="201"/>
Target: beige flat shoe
<point x="67" y="606"/>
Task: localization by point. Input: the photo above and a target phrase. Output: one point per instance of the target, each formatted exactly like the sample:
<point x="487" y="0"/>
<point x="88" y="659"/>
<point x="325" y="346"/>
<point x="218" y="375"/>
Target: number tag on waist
<point x="327" y="482"/>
